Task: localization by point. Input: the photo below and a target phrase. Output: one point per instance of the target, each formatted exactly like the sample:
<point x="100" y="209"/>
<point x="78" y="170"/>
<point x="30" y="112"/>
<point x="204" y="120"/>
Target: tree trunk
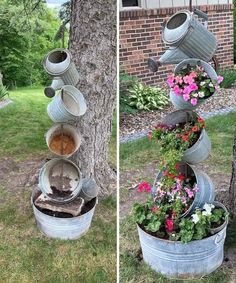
<point x="93" y="47"/>
<point x="232" y="190"/>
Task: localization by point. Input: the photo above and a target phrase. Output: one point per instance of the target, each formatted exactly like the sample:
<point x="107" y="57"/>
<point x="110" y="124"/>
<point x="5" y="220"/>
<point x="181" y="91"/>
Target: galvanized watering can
<point x="58" y="64"/>
<point x="187" y="38"/>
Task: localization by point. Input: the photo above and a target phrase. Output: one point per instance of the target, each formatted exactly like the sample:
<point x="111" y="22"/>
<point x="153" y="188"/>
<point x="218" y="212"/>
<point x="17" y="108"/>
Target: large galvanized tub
<point x="183" y="261"/>
<point x="63" y="129"/>
<point x="206" y="192"/>
<point x="58" y="63"/>
<point x="184" y="31"/>
<point x="202" y="148"/>
<point x="60" y="175"/>
<point x="63" y="228"/>
<point x="67" y="106"/>
<point x="177" y="100"/>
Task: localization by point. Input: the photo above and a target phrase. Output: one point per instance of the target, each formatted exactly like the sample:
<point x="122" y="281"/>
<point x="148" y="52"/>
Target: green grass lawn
<point x="137" y="155"/>
<point x="26" y="256"/>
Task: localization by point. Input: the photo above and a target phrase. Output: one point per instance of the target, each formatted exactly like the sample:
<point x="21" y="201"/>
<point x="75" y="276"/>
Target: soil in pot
<point x="62" y="144"/>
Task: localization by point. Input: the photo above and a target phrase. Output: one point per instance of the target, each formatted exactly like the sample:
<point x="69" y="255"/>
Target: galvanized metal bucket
<point x="67" y="106"/>
<point x="177" y="100"/>
<point x="63" y="228"/>
<point x="206" y="192"/>
<point x="223" y="225"/>
<point x="184" y="31"/>
<point x="63" y="129"/>
<point x="58" y="63"/>
<point x="60" y="172"/>
<point x="183" y="261"/>
<point x="202" y="148"/>
<point x="89" y="189"/>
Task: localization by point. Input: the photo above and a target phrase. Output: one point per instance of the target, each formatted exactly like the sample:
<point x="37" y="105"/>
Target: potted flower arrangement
<point x="192" y="82"/>
<point x="182" y="137"/>
<point x="170" y="241"/>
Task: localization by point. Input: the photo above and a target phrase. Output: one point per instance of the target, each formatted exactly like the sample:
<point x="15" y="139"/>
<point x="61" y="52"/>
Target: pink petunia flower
<point x="220" y="79"/>
<point x="193" y="86"/>
<point x="178" y="79"/>
<point x="186" y="97"/>
<point x="193" y="74"/>
<point x="187" y="90"/>
<point x="177" y="90"/>
<point x="194" y="101"/>
<point x="188" y="79"/>
<point x="189" y="193"/>
<point x="144" y="187"/>
<point x="170" y="80"/>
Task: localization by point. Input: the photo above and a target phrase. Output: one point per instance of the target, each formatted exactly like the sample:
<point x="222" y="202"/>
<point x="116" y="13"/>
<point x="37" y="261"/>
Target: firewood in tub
<point x="74" y="207"/>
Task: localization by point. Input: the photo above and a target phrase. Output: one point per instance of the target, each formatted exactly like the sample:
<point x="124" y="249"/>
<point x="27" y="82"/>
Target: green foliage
<point x="145" y="97"/>
<point x="126" y="82"/>
<point x="25" y="39"/>
<point x="229" y="78"/>
<point x="3" y="91"/>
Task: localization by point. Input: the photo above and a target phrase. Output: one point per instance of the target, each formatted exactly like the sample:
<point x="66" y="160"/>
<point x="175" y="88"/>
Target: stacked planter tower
<point x="190" y="44"/>
<point x="64" y="202"/>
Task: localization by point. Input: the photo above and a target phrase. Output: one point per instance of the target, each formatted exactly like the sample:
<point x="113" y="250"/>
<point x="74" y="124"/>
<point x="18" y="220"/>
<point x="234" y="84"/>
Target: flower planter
<point x="177" y="100"/>
<point x="206" y="193"/>
<point x="223" y="225"/>
<point x="63" y="228"/>
<point x="183" y="261"/>
<point x="67" y="107"/>
<point x="202" y="148"/>
<point x="59" y="132"/>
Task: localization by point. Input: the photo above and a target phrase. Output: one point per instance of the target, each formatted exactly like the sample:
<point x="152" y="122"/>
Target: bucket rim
<point x="179" y="242"/>
<point x="75" y="192"/>
<point x="189" y="17"/>
<point x="46" y="58"/>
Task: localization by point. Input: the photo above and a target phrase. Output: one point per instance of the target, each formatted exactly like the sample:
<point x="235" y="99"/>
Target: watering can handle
<point x="153" y="64"/>
<point x="201" y="14"/>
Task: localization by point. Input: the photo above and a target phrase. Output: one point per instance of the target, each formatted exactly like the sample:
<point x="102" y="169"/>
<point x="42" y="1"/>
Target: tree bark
<point x="93" y="47"/>
<point x="232" y="190"/>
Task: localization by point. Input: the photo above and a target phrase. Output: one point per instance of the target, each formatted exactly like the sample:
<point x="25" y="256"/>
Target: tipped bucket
<point x="60" y="180"/>
<point x="63" y="139"/>
<point x="89" y="189"/>
<point x="58" y="63"/>
<point x="67" y="105"/>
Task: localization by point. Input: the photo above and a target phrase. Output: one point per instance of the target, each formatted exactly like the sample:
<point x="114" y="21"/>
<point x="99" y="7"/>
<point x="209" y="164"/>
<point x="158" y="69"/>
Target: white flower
<point x="201" y="94"/>
<point x="195" y="218"/>
<point x="211" y="85"/>
<point x="208" y="208"/>
<point x="195" y="94"/>
<point x="202" y="83"/>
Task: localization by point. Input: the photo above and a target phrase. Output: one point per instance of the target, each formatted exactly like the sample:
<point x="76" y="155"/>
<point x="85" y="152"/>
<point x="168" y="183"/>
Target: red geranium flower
<point x="181" y="177"/>
<point x="169" y="225"/>
<point x="195" y="129"/>
<point x="177" y="165"/>
<point x="184" y="138"/>
<point x="154" y="209"/>
<point x="144" y="187"/>
<point x="200" y="120"/>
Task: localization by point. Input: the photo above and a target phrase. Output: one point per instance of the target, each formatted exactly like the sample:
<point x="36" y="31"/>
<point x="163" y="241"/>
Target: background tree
<point x="93" y="46"/>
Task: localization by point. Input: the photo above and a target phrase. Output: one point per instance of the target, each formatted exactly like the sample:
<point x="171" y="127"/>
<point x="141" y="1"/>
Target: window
<point x="130" y="3"/>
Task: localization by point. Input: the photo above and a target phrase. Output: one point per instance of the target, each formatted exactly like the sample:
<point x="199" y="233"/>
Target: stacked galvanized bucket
<point x="190" y="42"/>
<point x="60" y="181"/>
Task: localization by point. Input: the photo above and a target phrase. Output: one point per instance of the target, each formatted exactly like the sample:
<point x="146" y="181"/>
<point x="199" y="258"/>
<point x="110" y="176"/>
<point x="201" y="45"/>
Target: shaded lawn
<point x="26" y="256"/>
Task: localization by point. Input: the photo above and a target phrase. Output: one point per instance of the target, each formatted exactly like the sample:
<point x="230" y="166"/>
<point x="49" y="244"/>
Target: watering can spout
<point x="172" y="56"/>
<point x="56" y="84"/>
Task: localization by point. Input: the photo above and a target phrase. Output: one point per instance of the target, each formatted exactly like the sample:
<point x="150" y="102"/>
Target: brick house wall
<point x="140" y="38"/>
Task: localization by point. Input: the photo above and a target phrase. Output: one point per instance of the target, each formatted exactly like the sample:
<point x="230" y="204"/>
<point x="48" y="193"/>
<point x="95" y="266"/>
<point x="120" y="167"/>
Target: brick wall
<point x="140" y="38"/>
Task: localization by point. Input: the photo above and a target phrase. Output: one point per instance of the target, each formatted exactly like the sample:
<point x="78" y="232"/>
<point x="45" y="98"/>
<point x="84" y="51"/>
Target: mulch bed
<point x="145" y="120"/>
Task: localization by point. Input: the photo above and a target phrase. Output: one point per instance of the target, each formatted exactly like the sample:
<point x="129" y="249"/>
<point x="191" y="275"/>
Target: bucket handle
<point x="220" y="237"/>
